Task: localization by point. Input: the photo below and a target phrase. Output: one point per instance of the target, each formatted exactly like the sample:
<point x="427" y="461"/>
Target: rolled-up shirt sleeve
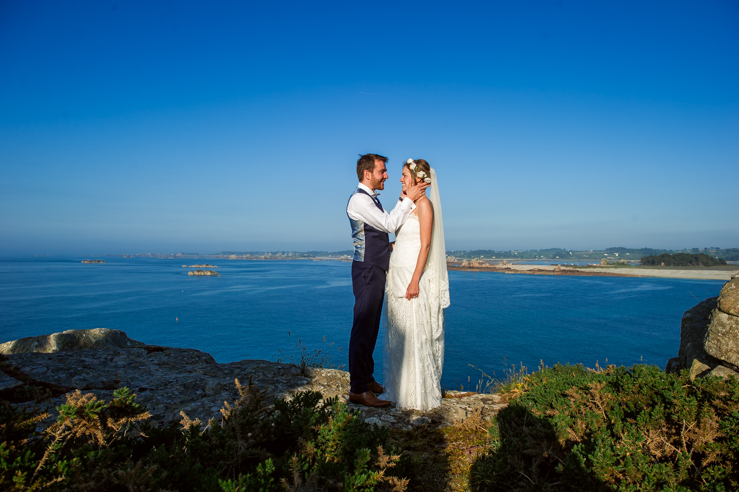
<point x="361" y="207"/>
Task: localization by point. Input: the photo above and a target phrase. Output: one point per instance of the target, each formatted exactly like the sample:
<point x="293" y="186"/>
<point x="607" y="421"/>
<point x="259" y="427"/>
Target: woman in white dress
<point x="417" y="294"/>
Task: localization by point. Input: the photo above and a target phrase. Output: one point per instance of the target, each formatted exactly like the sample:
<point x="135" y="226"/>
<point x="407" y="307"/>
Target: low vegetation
<point x="303" y="444"/>
<point x="565" y="428"/>
<point x="624" y="429"/>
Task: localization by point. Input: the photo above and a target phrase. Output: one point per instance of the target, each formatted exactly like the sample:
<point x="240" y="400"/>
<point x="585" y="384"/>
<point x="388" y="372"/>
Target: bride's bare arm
<point x="426" y="218"/>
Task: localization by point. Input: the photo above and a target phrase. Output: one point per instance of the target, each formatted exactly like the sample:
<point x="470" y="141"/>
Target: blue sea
<point x="258" y="308"/>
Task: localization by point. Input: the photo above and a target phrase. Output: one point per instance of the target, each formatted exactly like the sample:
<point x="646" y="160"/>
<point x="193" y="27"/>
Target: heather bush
<point x="299" y="444"/>
<point x="626" y="429"/>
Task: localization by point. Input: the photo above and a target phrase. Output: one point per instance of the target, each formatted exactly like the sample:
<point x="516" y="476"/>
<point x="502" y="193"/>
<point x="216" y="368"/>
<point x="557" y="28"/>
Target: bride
<point x="417" y="294"/>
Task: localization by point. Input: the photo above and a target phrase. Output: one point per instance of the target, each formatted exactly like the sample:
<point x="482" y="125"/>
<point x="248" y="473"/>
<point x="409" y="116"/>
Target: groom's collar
<point x="367" y="189"/>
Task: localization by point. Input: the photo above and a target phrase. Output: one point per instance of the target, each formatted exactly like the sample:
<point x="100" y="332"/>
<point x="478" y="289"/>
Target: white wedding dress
<point x="414" y="329"/>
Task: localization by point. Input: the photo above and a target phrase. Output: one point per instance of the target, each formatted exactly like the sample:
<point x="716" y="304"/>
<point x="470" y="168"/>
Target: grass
<point x="300" y="355"/>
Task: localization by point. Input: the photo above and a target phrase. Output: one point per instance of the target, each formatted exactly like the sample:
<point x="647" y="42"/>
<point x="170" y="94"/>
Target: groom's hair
<point x="366" y="162"/>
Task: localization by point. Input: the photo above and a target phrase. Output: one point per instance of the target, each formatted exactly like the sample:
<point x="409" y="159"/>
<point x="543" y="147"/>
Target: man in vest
<point x="370" y="227"/>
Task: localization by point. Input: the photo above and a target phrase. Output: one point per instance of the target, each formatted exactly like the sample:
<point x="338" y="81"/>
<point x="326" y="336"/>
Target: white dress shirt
<point x="362" y="207"/>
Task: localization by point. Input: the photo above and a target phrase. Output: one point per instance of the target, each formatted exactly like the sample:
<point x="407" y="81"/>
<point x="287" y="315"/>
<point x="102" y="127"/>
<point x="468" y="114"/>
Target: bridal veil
<point x="437" y="255"/>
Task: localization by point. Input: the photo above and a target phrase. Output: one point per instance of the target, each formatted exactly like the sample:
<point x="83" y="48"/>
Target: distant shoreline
<point x="537" y="271"/>
<point x="684" y="273"/>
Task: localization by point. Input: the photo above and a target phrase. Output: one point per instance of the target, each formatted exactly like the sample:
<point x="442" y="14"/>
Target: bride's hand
<point x="412" y="290"/>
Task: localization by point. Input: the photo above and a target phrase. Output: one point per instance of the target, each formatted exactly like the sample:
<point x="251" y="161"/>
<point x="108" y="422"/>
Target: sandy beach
<point x="700" y="274"/>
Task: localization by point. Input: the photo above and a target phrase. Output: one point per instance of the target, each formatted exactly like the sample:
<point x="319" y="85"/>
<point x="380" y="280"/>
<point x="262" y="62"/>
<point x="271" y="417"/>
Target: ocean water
<point x="258" y="308"/>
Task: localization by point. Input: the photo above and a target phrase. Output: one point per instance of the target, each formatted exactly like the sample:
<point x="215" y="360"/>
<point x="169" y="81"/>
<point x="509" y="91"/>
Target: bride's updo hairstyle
<point x="421" y="165"/>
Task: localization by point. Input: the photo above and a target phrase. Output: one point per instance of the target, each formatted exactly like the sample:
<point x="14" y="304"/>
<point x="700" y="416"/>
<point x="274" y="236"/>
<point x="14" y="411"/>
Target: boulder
<point x="723" y="372"/>
<point x="728" y="300"/>
<point x="709" y="336"/>
<point x="692" y="334"/>
<point x="673" y="365"/>
<point x="95" y="338"/>
<point x="699" y="369"/>
<point x="722" y="338"/>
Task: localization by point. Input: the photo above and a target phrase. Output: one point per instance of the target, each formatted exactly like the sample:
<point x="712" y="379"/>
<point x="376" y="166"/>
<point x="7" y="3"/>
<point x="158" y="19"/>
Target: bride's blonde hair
<point x="421" y="165"/>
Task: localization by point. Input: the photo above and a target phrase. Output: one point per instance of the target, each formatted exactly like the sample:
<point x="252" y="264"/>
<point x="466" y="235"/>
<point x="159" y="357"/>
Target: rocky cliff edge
<point x="42" y="370"/>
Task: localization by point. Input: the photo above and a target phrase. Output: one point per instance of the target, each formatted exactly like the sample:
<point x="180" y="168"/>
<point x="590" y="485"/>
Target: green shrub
<point x="569" y="428"/>
<point x="96" y="445"/>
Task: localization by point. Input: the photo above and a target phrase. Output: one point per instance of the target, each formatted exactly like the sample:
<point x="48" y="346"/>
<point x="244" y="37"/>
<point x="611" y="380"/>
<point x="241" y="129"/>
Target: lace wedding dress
<point x="414" y="331"/>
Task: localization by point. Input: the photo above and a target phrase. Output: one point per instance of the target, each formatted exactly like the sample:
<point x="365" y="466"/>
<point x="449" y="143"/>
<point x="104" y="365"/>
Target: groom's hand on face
<point x="417" y="191"/>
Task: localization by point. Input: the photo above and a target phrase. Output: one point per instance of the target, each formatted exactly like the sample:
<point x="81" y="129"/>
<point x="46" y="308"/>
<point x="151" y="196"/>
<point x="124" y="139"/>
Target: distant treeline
<point x="682" y="259"/>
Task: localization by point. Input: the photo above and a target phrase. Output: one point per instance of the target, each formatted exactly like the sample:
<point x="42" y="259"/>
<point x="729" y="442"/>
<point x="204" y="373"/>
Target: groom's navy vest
<point x="370" y="245"/>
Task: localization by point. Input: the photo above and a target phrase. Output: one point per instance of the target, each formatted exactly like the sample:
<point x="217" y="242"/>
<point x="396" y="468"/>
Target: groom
<point x="370" y="227"/>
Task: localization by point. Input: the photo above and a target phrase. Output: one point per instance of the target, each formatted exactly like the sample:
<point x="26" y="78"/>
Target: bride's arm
<point x="426" y="218"/>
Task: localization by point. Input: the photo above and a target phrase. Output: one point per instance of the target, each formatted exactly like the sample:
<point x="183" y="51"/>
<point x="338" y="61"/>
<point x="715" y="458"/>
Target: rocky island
<point x="200" y="266"/>
<point x="203" y="273"/>
<point x="93" y="261"/>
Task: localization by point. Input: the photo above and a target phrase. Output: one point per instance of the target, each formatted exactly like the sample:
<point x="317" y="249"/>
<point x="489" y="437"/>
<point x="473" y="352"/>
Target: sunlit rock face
<point x="96" y="338"/>
<point x="709" y="336"/>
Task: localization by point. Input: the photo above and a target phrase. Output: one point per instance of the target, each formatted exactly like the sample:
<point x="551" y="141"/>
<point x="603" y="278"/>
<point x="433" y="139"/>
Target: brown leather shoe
<point x="376" y="388"/>
<point x="368" y="399"/>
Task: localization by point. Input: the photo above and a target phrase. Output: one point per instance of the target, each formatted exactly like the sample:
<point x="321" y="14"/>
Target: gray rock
<point x="673" y="365"/>
<point x="698" y="369"/>
<point x="213" y="387"/>
<point x="693" y="332"/>
<point x="97" y="338"/>
<point x="722" y="339"/>
<point x="728" y="299"/>
<point x="7" y="382"/>
<point x="709" y="340"/>
<point x="724" y="372"/>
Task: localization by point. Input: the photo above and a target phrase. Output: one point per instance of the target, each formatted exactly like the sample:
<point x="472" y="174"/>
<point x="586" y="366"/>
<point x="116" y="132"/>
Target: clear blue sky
<point x="130" y="127"/>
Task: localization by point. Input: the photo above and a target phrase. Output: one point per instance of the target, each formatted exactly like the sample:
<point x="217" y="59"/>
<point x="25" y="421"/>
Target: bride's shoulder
<point x="424" y="206"/>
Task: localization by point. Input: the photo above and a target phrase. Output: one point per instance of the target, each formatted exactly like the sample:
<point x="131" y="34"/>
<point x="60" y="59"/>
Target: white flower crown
<point x="420" y="174"/>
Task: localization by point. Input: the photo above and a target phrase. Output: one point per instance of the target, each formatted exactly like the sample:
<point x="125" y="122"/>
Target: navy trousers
<point x="368" y="282"/>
